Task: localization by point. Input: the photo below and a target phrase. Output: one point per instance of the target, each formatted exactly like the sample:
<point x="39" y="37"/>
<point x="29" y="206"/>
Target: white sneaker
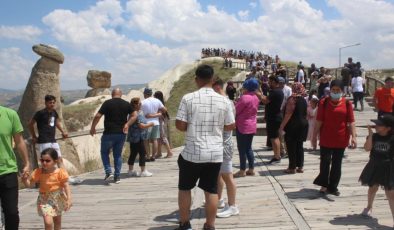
<point x="221" y="204"/>
<point x="146" y="173"/>
<point x="133" y="173"/>
<point x="228" y="211"/>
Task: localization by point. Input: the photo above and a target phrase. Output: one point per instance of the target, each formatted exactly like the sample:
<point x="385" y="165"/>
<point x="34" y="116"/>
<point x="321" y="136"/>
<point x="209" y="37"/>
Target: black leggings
<point x="295" y="151"/>
<point x="137" y="148"/>
<point x="9" y="200"/>
<point x="358" y="96"/>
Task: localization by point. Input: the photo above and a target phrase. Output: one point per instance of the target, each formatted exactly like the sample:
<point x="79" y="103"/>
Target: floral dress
<point x="51" y="200"/>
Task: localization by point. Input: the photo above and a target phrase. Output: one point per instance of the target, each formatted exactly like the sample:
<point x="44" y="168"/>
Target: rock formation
<point x="100" y="81"/>
<point x="44" y="79"/>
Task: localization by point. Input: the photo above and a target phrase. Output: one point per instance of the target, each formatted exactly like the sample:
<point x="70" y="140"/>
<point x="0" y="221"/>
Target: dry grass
<point x="76" y="117"/>
<point x="186" y="85"/>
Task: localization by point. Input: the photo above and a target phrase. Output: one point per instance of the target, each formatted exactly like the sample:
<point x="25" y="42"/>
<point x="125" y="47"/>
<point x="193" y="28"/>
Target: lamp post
<point x="343" y="47"/>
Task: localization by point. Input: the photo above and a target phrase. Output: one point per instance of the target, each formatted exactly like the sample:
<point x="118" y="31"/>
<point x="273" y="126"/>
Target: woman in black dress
<point x="295" y="128"/>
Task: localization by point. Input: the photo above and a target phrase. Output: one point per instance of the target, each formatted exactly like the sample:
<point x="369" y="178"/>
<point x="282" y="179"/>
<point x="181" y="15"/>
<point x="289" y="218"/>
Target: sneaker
<point x="184" y="226"/>
<point x="366" y="212"/>
<point x="221" y="204"/>
<point x="146" y="173"/>
<point x="274" y="161"/>
<point x="117" y="180"/>
<point x="133" y="173"/>
<point x="228" y="211"/>
<point x="108" y="176"/>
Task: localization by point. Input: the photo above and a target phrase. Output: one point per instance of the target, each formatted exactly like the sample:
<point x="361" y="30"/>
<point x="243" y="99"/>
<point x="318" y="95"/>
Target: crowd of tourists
<point x="231" y="53"/>
<point x="324" y="116"/>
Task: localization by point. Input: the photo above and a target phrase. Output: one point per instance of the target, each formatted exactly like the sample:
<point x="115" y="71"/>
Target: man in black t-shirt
<point x="346" y="79"/>
<point x="117" y="119"/>
<point x="273" y="115"/>
<point x="47" y="121"/>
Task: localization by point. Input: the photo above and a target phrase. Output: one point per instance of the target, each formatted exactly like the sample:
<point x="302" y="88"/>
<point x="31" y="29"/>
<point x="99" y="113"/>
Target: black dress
<point x="380" y="167"/>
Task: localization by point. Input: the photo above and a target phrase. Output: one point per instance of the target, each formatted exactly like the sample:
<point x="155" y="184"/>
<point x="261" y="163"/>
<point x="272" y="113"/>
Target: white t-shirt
<point x="300" y="76"/>
<point x="357" y="84"/>
<point x="286" y="94"/>
<point x="151" y="105"/>
<point x="206" y="113"/>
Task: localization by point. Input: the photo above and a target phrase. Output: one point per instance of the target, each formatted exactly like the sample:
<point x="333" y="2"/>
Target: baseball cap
<point x="385" y="120"/>
<point x="281" y="80"/>
<point x="148" y="91"/>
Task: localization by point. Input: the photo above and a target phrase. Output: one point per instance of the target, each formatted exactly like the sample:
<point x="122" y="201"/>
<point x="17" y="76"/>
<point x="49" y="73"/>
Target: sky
<point x="138" y="40"/>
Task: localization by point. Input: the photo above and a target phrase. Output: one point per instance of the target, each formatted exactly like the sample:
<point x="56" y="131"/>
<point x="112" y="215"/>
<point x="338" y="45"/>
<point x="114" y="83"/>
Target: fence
<point x="371" y="84"/>
<point x="32" y="153"/>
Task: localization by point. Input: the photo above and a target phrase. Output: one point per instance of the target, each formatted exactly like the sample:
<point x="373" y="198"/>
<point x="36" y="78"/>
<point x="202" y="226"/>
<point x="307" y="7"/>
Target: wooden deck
<point x="269" y="200"/>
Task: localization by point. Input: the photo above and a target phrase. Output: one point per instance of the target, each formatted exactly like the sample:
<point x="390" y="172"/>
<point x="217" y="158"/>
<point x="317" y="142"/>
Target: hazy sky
<point x="137" y="40"/>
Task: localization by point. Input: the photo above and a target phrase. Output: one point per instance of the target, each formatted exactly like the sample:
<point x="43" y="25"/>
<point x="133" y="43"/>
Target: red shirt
<point x="334" y="131"/>
<point x="385" y="99"/>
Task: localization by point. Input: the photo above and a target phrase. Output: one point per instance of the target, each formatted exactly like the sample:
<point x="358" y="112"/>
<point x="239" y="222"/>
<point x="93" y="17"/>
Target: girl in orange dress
<point x="54" y="193"/>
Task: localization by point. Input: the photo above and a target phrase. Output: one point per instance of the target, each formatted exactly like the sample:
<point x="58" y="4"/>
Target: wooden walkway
<point x="269" y="200"/>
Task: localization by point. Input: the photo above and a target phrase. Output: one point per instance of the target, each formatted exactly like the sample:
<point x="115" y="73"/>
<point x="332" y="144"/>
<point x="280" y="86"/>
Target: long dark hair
<point x="159" y="95"/>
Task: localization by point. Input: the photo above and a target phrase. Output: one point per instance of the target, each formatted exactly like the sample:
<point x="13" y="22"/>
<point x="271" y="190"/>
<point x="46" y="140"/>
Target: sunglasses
<point x="46" y="161"/>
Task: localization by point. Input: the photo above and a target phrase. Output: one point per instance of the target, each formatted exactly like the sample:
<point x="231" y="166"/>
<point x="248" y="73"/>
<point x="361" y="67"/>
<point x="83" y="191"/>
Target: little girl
<point x="136" y="138"/>
<point x="378" y="171"/>
<point x="54" y="194"/>
<point x="311" y="116"/>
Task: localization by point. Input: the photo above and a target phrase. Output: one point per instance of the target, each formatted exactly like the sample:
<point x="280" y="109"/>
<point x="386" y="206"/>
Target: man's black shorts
<point x="273" y="128"/>
<point x="206" y="173"/>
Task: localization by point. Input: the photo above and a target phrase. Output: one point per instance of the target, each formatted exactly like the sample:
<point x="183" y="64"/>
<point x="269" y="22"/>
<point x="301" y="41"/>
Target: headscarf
<point x="251" y="84"/>
<point x="298" y="90"/>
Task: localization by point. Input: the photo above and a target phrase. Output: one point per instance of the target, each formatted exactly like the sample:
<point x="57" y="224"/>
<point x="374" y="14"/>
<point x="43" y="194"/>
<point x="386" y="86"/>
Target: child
<point x="311" y="116"/>
<point x="54" y="194"/>
<point x="136" y="138"/>
<point x="378" y="171"/>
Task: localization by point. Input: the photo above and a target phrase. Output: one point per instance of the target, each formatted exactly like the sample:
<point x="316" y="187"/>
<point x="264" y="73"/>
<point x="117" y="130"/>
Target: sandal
<point x="290" y="171"/>
<point x="239" y="174"/>
<point x="250" y="172"/>
<point x="169" y="155"/>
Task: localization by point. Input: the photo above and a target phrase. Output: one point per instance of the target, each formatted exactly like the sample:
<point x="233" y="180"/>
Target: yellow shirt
<point x="50" y="182"/>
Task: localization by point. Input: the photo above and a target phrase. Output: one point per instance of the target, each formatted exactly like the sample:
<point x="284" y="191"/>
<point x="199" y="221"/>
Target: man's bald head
<point x="116" y="92"/>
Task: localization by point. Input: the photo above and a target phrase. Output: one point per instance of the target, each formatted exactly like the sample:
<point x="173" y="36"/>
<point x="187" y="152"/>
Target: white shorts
<point x="42" y="146"/>
<point x="226" y="166"/>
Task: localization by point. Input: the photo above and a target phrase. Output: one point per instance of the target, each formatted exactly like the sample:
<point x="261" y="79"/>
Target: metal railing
<point x="32" y="151"/>
<point x="371" y="84"/>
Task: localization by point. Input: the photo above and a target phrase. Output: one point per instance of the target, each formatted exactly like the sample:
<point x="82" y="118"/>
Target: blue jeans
<point x="244" y="143"/>
<point x="114" y="141"/>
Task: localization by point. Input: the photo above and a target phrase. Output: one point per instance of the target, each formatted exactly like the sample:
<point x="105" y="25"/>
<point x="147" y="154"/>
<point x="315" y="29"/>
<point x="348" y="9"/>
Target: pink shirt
<point x="246" y="113"/>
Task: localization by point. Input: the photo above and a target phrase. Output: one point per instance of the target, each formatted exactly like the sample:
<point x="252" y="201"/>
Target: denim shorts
<point x="153" y="133"/>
